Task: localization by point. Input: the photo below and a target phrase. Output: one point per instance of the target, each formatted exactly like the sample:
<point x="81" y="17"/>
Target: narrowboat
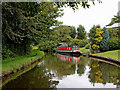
<point x="71" y="50"/>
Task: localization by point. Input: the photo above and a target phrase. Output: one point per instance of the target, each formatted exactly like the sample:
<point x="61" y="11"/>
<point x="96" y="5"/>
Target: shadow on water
<point x="69" y="71"/>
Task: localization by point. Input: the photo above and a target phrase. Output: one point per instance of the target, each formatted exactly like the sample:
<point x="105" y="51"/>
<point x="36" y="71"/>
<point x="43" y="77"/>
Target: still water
<point x="64" y="71"/>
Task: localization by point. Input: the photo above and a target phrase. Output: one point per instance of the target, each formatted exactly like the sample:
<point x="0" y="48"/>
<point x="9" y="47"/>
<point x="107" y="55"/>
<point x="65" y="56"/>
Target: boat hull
<point x="70" y="50"/>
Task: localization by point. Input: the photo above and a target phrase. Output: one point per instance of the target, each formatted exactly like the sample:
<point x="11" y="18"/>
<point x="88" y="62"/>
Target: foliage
<point x="74" y="42"/>
<point x="98" y="35"/>
<point x="92" y="34"/>
<point x="113" y="32"/>
<point x="87" y="46"/>
<point x="104" y="44"/>
<point x="62" y="33"/>
<point x="25" y="23"/>
<point x="6" y="53"/>
<point x="83" y="43"/>
<point x="74" y="5"/>
<point x="73" y="32"/>
<point x="114" y="43"/>
<point x="23" y="26"/>
<point x="77" y="42"/>
<point x="116" y="19"/>
<point x="58" y="34"/>
<point x="95" y="37"/>
<point x="95" y="47"/>
<point x="81" y="32"/>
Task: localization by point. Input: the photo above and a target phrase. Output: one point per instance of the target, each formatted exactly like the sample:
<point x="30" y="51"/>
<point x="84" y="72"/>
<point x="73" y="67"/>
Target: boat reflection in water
<point x="69" y="58"/>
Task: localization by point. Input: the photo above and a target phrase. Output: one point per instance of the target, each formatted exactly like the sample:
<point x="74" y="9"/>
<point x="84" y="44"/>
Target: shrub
<point x="6" y="53"/>
<point x="74" y="42"/>
<point x="92" y="51"/>
<point x="87" y="46"/>
<point x="82" y="43"/>
<point x="33" y="53"/>
<point x="114" y="43"/>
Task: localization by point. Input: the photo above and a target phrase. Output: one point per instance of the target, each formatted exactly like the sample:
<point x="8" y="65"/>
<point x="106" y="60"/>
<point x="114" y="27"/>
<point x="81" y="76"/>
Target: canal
<point x="64" y="71"/>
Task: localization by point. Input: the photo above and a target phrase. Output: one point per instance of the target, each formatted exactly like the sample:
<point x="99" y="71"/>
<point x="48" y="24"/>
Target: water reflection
<point x="65" y="71"/>
<point x="39" y="77"/>
<point x="70" y="58"/>
<point x="104" y="73"/>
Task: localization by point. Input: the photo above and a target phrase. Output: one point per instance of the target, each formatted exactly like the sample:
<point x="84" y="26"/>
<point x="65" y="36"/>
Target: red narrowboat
<point x="73" y="49"/>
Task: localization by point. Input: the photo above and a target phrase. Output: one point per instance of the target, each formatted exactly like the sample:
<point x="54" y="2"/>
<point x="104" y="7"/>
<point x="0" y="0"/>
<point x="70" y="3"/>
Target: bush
<point x="33" y="53"/>
<point x="82" y="43"/>
<point x="87" y="46"/>
<point x="7" y="53"/>
<point x="114" y="43"/>
<point x="92" y="51"/>
<point x="74" y="42"/>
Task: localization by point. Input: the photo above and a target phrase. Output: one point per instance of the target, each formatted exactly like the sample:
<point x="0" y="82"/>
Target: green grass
<point x="84" y="50"/>
<point x="14" y="63"/>
<point x="110" y="54"/>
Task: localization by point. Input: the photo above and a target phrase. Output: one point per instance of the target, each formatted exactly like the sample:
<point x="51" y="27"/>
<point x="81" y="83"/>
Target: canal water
<point x="65" y="71"/>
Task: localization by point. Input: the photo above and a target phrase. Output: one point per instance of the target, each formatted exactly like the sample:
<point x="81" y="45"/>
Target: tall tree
<point x="92" y="34"/>
<point x="27" y="22"/>
<point x="73" y="31"/>
<point x="81" y="32"/>
<point x="104" y="44"/>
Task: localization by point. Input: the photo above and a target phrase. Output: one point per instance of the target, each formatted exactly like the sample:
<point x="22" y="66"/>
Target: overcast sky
<point x="99" y="14"/>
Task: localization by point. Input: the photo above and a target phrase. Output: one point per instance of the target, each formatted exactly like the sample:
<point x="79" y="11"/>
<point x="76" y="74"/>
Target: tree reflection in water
<point x="60" y="67"/>
<point x="104" y="73"/>
<point x="39" y="77"/>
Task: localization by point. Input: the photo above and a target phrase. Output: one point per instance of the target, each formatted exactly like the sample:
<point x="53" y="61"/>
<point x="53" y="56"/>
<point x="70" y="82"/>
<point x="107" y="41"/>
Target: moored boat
<point x="72" y="50"/>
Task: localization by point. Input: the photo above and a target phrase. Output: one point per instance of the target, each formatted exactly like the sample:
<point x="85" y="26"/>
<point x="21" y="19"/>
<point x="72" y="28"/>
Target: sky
<point x="101" y="14"/>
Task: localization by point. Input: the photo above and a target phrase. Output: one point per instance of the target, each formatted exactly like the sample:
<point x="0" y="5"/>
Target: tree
<point x="112" y="32"/>
<point x="95" y="37"/>
<point x="63" y="33"/>
<point x="73" y="31"/>
<point x="27" y="22"/>
<point x="116" y="19"/>
<point x="104" y="44"/>
<point x="98" y="38"/>
<point x="81" y="32"/>
<point x="92" y="34"/>
<point x="74" y="5"/>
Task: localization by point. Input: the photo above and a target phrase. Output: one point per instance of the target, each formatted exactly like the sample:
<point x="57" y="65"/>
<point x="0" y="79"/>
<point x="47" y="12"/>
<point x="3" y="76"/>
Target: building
<point x="117" y="26"/>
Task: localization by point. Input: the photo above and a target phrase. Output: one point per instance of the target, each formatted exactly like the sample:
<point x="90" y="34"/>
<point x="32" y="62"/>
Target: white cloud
<point x="98" y="14"/>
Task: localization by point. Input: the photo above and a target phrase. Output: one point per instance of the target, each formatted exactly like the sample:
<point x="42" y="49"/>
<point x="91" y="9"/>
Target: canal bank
<point x="105" y="58"/>
<point x="18" y="66"/>
<point x="112" y="56"/>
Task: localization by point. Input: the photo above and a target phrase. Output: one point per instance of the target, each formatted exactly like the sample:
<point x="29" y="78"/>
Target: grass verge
<point x="84" y="50"/>
<point x="12" y="64"/>
<point x="110" y="54"/>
